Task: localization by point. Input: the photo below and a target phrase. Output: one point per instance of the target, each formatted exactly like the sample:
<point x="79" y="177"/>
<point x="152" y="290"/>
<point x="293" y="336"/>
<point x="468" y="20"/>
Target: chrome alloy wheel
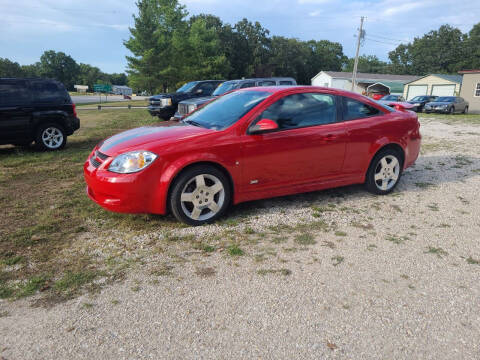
<point x="52" y="138"/>
<point x="387" y="172"/>
<point x="202" y="197"/>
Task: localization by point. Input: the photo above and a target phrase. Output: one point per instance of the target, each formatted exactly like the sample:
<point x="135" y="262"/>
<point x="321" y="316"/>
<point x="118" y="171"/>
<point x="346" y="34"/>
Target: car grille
<point x="94" y="160"/>
<point x="183" y="109"/>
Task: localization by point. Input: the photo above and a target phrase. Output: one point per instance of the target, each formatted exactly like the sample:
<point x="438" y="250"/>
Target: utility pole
<point x="355" y="65"/>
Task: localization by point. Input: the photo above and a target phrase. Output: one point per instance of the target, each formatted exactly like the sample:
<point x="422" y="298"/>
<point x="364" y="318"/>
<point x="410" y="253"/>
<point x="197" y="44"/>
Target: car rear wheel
<point x="452" y="110"/>
<point x="50" y="137"/>
<point x="466" y="110"/>
<point x="384" y="172"/>
<point x="200" y="195"/>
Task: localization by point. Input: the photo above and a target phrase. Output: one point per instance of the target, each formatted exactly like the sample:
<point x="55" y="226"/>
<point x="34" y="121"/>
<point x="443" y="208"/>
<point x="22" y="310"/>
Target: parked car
<point x="39" y="110"/>
<point x="165" y="105"/>
<point x="252" y="144"/>
<point x="447" y="105"/>
<point x="187" y="106"/>
<point x="388" y="99"/>
<point x="419" y="102"/>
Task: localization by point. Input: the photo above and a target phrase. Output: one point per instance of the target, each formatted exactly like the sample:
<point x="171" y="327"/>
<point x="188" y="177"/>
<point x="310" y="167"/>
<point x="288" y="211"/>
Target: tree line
<point x="169" y="48"/>
<point x="62" y="67"/>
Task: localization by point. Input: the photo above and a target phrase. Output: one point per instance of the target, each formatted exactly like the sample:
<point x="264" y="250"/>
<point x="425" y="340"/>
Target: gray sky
<point x="92" y="31"/>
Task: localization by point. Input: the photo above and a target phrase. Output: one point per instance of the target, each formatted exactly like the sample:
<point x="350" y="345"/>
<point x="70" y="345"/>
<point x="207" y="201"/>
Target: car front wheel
<point x="384" y="172"/>
<point x="200" y="195"/>
<point x="50" y="137"/>
<point x="465" y="111"/>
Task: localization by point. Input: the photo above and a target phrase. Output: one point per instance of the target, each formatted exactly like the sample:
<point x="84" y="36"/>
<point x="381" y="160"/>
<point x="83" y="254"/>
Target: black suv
<point x="37" y="110"/>
<point x="165" y="105"/>
<point x="187" y="106"/>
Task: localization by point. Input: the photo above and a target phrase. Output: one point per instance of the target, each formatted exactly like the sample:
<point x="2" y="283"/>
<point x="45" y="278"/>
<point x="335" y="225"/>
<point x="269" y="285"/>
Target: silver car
<point x="447" y="105"/>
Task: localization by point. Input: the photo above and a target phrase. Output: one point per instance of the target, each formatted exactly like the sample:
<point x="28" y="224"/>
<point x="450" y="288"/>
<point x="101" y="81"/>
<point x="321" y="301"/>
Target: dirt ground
<point x="337" y="274"/>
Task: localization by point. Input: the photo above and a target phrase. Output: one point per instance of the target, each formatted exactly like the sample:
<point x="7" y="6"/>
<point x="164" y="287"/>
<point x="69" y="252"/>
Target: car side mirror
<point x="264" y="125"/>
<point x="199" y="91"/>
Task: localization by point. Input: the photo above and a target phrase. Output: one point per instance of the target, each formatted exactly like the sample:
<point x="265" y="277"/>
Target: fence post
<point x="99" y="107"/>
<point x="129" y="106"/>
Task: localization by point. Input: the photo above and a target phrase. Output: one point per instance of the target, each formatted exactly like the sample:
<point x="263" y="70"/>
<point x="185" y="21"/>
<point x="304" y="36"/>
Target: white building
<point x="121" y="90"/>
<point x="366" y="83"/>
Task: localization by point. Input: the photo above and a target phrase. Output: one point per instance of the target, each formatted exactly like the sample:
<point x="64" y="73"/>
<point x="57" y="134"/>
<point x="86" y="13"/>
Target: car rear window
<point x="353" y="109"/>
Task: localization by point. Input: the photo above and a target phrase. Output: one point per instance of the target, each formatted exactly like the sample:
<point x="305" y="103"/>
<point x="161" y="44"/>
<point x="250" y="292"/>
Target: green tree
<point x="59" y="66"/>
<point x="438" y="51"/>
<point x="202" y="53"/>
<point x="9" y="68"/>
<point x="369" y="64"/>
<point x="154" y="62"/>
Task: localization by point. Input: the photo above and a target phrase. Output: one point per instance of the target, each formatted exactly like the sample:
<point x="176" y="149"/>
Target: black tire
<point x="43" y="144"/>
<point x="184" y="180"/>
<point x="465" y="111"/>
<point x="162" y="118"/>
<point x="371" y="183"/>
<point x="452" y="110"/>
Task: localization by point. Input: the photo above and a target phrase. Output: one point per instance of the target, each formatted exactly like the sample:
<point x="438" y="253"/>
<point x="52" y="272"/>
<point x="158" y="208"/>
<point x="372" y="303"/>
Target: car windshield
<point x="226" y="110"/>
<point x="389" y="97"/>
<point x="225" y="87"/>
<point x="419" y="98"/>
<point x="445" y="99"/>
<point x="187" y="87"/>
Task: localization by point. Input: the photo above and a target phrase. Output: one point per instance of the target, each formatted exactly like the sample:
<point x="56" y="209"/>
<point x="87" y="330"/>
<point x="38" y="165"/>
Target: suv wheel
<point x="50" y="137"/>
<point x="384" y="172"/>
<point x="200" y="195"/>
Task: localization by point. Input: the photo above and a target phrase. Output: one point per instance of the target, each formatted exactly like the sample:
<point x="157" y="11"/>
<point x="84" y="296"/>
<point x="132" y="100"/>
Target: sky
<point x="93" y="31"/>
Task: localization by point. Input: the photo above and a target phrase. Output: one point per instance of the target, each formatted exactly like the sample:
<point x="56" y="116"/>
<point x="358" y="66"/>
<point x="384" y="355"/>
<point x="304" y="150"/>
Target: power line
<point x="385" y="38"/>
<point x="383" y="42"/>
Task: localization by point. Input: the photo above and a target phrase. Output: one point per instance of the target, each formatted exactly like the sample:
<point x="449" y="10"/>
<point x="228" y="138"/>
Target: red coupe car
<point x="252" y="144"/>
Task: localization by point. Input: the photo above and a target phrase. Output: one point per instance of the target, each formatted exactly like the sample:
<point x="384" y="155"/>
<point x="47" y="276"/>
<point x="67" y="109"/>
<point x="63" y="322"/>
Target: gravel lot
<point x="333" y="274"/>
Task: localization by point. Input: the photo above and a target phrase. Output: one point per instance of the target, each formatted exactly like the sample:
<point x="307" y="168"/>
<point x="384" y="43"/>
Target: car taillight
<point x="74" y="108"/>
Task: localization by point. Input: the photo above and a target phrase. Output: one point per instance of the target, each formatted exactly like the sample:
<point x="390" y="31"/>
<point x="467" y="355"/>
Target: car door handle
<point x="330" y="137"/>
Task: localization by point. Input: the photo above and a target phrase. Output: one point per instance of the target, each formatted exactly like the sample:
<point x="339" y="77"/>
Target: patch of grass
<point x="162" y="270"/>
<point x="473" y="261"/>
<point x="71" y="282"/>
<point x="115" y="302"/>
<point x="329" y="244"/>
<point x="31" y="286"/>
<point x="305" y="239"/>
<point x="340" y="233"/>
<point x="12" y="260"/>
<point x="337" y="260"/>
<point x="88" y="305"/>
<point x="278" y="240"/>
<point x="371" y="247"/>
<point x="234" y="250"/>
<point x="396" y="239"/>
<point x="396" y="208"/>
<point x="404" y="276"/>
<point x="436" y="251"/>
<point x="433" y="207"/>
<point x="248" y="230"/>
<point x="284" y="272"/>
<point x="362" y="226"/>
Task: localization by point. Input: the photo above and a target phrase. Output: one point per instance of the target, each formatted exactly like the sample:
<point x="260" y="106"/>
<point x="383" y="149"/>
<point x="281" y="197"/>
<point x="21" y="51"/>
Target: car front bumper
<point x="125" y="193"/>
<point x="163" y="112"/>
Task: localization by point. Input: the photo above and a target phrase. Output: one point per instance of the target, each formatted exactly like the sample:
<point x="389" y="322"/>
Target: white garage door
<point x="443" y="90"/>
<point x="416" y="90"/>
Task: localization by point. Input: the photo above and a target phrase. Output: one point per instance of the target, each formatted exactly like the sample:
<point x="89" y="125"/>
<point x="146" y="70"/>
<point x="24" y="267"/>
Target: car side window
<point x="13" y="93"/>
<point x="302" y="110"/>
<point x="354" y="109"/>
<point x="284" y="82"/>
<point x="207" y="88"/>
<point x="46" y="91"/>
<point x="267" y="83"/>
<point x="247" y="85"/>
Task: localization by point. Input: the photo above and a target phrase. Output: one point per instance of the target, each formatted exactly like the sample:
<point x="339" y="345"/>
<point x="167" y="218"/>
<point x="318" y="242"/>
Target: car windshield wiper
<point x="193" y="122"/>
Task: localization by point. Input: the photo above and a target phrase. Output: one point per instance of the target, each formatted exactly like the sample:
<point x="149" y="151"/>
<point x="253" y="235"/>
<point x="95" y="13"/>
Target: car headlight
<point x="167" y="102"/>
<point x="131" y="162"/>
<point x="191" y="108"/>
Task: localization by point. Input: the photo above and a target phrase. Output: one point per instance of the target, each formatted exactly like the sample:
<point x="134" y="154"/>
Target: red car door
<point x="308" y="147"/>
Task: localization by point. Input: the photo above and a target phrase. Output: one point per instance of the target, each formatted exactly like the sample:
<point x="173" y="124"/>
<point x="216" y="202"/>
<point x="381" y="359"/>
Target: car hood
<point x="149" y="138"/>
<point x="198" y="101"/>
<point x="439" y="103"/>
